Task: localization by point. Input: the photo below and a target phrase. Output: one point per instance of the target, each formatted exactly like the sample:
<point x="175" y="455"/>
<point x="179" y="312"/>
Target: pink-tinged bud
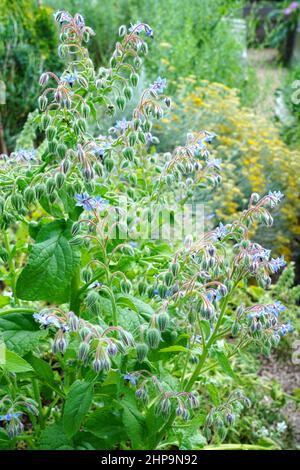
<point x="44" y="78"/>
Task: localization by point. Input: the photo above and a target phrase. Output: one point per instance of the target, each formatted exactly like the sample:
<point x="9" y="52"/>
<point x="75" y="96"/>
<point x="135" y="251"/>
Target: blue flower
<point x="209" y="136"/>
<point x="138" y="27"/>
<point x="131" y="378"/>
<point x="99" y="203"/>
<point x="83" y="201"/>
<point x="284" y="329"/>
<point x="220" y="232"/>
<point x="214" y="163"/>
<point x="122" y="125"/>
<point x="45" y="319"/>
<point x="159" y="85"/>
<point x="275" y="197"/>
<point x="275" y="308"/>
<point x="276" y="263"/>
<point x="24" y="155"/>
<point x="10" y="416"/>
<point x="71" y="78"/>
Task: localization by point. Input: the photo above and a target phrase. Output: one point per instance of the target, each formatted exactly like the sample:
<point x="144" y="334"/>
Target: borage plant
<point x="109" y="339"/>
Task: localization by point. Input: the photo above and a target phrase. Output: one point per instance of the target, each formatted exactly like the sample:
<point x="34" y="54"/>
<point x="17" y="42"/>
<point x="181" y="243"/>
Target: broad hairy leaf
<point x="106" y="425"/>
<point x="77" y="405"/>
<point x="20" y="332"/>
<point x="51" y="265"/>
<point x="15" y="363"/>
<point x="55" y="438"/>
<point x="224" y="363"/>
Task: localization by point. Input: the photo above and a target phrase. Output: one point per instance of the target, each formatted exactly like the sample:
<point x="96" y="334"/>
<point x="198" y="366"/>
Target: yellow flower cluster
<point x="254" y="157"/>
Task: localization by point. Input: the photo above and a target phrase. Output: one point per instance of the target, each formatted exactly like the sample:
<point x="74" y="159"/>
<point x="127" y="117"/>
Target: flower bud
<point x="162" y="321"/>
<point x="50" y="133"/>
<point x="141" y="351"/>
<point x="42" y="102"/>
<point x="59" y="180"/>
<point x="128" y="153"/>
<point x="120" y="101"/>
<point x="29" y="195"/>
<point x="128" y="93"/>
<point x="17" y="201"/>
<point x="134" y="79"/>
<point x="153" y="338"/>
<point x="45" y="121"/>
<point x="50" y="185"/>
<point x="83" y="351"/>
<point x="61" y="150"/>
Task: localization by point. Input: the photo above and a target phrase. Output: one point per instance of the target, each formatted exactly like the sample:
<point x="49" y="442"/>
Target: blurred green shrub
<point x="27" y="46"/>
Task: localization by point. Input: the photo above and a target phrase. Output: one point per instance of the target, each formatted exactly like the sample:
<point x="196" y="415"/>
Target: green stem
<point x="17" y="310"/>
<point x="75" y="289"/>
<point x="12" y="270"/>
<point x="37" y="396"/>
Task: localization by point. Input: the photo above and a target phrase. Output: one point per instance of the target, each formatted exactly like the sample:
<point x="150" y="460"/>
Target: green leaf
<point x="77" y="405"/>
<point x="107" y="426"/>
<point x="15" y="363"/>
<point x="54" y="438"/>
<point x="214" y="394"/>
<point x="134" y="424"/>
<point x="51" y="265"/>
<point x="43" y="370"/>
<point x="224" y="363"/>
<point x="176" y="348"/>
<point x="20" y="333"/>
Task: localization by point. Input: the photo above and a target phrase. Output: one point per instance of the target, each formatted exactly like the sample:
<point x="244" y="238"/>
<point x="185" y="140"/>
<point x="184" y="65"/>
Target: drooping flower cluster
<point x="12" y="412"/>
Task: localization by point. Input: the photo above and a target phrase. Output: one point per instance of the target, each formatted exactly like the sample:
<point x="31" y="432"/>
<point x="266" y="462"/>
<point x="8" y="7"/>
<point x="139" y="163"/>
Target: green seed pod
<point x="59" y="180"/>
<point x="147" y="125"/>
<point x="128" y="93"/>
<point x="40" y="190"/>
<point x="133" y="178"/>
<point x="109" y="164"/>
<point x="2" y="203"/>
<point x="43" y="102"/>
<point x="120" y="101"/>
<point x="52" y="146"/>
<point x="66" y="166"/>
<point x="29" y="195"/>
<point x="76" y="128"/>
<point x="17" y="201"/>
<point x="163" y="321"/>
<point x="142" y="288"/>
<point x="75" y="228"/>
<point x="45" y="121"/>
<point x="71" y="190"/>
<point x="61" y="150"/>
<point x="134" y="79"/>
<point x="142" y="137"/>
<point x="132" y="139"/>
<point x="50" y="185"/>
<point x="3" y="254"/>
<point x="98" y="169"/>
<point x="162" y="290"/>
<point x="153" y="338"/>
<point x="128" y="153"/>
<point x="136" y="124"/>
<point x="113" y="62"/>
<point x="86" y="273"/>
<point x="86" y="110"/>
<point x="169" y="279"/>
<point x="52" y="197"/>
<point x="141" y="351"/>
<point x="50" y="133"/>
<point x="151" y="292"/>
<point x="175" y="268"/>
<point x="125" y="286"/>
<point x="81" y="123"/>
